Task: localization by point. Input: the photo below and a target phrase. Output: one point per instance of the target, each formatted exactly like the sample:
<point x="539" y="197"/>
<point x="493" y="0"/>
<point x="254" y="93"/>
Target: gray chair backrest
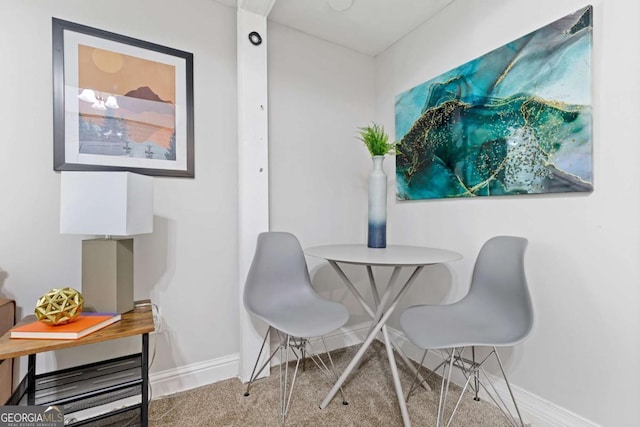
<point x="278" y="273"/>
<point x="499" y="285"/>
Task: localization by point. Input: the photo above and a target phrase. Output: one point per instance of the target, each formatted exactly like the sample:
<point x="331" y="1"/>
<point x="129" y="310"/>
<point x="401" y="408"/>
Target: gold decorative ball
<point x="59" y="306"/>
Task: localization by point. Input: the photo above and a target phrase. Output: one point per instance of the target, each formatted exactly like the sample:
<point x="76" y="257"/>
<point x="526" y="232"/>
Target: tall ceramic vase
<point x="377" y="205"/>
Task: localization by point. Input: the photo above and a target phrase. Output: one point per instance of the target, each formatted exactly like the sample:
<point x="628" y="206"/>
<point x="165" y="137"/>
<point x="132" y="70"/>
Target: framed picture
<point x="120" y="103"/>
<point x="515" y="121"/>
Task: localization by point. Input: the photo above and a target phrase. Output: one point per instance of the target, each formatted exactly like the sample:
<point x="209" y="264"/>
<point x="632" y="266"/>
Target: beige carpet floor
<point x="372" y="400"/>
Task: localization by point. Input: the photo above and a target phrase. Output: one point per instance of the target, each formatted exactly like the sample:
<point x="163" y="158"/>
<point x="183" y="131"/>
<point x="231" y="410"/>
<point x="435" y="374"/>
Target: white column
<point x="253" y="154"/>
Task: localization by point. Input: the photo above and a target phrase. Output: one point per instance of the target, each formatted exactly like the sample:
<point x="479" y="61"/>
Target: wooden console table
<point x="91" y="385"/>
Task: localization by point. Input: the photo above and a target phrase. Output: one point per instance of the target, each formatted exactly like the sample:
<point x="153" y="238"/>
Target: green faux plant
<point x="376" y="140"/>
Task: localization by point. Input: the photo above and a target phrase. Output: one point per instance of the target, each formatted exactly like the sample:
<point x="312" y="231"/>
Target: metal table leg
<point x="31" y="380"/>
<point x="379" y="325"/>
<point x="375" y="315"/>
<point x="376" y="299"/>
<point x="144" y="406"/>
<point x="396" y="378"/>
<point x="409" y="364"/>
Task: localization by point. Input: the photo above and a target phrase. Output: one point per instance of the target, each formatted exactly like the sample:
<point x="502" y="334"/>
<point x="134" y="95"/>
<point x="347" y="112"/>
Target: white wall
<point x="188" y="266"/>
<point x="582" y="257"/>
<point x="582" y="261"/>
<point x="319" y="93"/>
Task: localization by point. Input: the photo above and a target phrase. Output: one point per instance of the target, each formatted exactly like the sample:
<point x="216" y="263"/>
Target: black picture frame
<point x="133" y="121"/>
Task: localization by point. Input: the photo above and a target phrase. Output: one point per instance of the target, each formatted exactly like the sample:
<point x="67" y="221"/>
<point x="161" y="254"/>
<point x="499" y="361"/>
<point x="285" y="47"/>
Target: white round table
<point x="392" y="255"/>
<point x="398" y="257"/>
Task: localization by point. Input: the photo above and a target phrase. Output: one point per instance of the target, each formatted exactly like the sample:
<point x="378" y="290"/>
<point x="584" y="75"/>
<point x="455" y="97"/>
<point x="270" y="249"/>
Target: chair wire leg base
<point x="419" y="380"/>
<point x="301" y="349"/>
<point x="409" y="364"/>
<point x="328" y="371"/>
<point x="472" y="370"/>
<point x="333" y="370"/>
<point x="443" y="391"/>
<point x="476" y="380"/>
<point x="504" y="375"/>
<point x="412" y="387"/>
<point x="304" y="358"/>
<point x="285" y="401"/>
<point x="255" y="374"/>
<point x="286" y="344"/>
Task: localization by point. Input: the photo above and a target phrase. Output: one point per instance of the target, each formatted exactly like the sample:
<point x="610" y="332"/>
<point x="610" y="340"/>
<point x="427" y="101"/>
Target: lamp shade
<point x="106" y="203"/>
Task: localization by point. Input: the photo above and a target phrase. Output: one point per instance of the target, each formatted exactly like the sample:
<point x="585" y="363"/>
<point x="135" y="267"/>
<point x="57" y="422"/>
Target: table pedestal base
<point x="384" y="308"/>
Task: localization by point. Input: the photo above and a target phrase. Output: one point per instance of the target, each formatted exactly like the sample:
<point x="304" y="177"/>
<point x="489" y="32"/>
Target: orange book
<point x="84" y="324"/>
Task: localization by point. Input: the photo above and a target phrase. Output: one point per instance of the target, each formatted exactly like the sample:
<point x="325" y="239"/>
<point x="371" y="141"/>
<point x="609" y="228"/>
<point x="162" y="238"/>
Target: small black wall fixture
<point x="255" y="38"/>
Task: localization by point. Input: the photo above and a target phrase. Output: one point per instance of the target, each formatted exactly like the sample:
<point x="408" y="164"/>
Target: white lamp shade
<point x="106" y="203"/>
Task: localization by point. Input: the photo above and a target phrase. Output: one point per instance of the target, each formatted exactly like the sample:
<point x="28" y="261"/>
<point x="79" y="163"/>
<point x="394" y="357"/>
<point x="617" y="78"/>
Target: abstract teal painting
<point x="517" y="120"/>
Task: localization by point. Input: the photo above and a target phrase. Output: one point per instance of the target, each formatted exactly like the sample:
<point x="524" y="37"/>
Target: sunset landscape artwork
<point x="120" y="103"/>
<point x="126" y="105"/>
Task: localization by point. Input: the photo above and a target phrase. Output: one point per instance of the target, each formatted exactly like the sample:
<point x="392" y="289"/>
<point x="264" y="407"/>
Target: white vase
<point x="377" y="236"/>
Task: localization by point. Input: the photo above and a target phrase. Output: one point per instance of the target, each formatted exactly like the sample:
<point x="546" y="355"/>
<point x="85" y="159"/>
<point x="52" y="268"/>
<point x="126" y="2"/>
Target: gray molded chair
<point x="278" y="291"/>
<point x="497" y="311"/>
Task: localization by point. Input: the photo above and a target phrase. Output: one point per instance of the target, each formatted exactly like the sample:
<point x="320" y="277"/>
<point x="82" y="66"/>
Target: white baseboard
<point x="184" y="378"/>
<point x="540" y="412"/>
<point x="187" y="377"/>
<point x="536" y="411"/>
<point x="343" y="337"/>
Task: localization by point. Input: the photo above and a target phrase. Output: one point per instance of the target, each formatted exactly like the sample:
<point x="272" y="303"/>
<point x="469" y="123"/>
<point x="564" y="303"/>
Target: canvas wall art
<point x="517" y="120"/>
<point x="121" y="103"/>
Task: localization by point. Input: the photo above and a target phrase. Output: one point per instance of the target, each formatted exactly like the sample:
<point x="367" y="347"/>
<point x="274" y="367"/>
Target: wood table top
<point x="392" y="255"/>
<point x="136" y="322"/>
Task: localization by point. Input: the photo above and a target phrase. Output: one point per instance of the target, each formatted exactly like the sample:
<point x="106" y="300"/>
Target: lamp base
<point x="107" y="275"/>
